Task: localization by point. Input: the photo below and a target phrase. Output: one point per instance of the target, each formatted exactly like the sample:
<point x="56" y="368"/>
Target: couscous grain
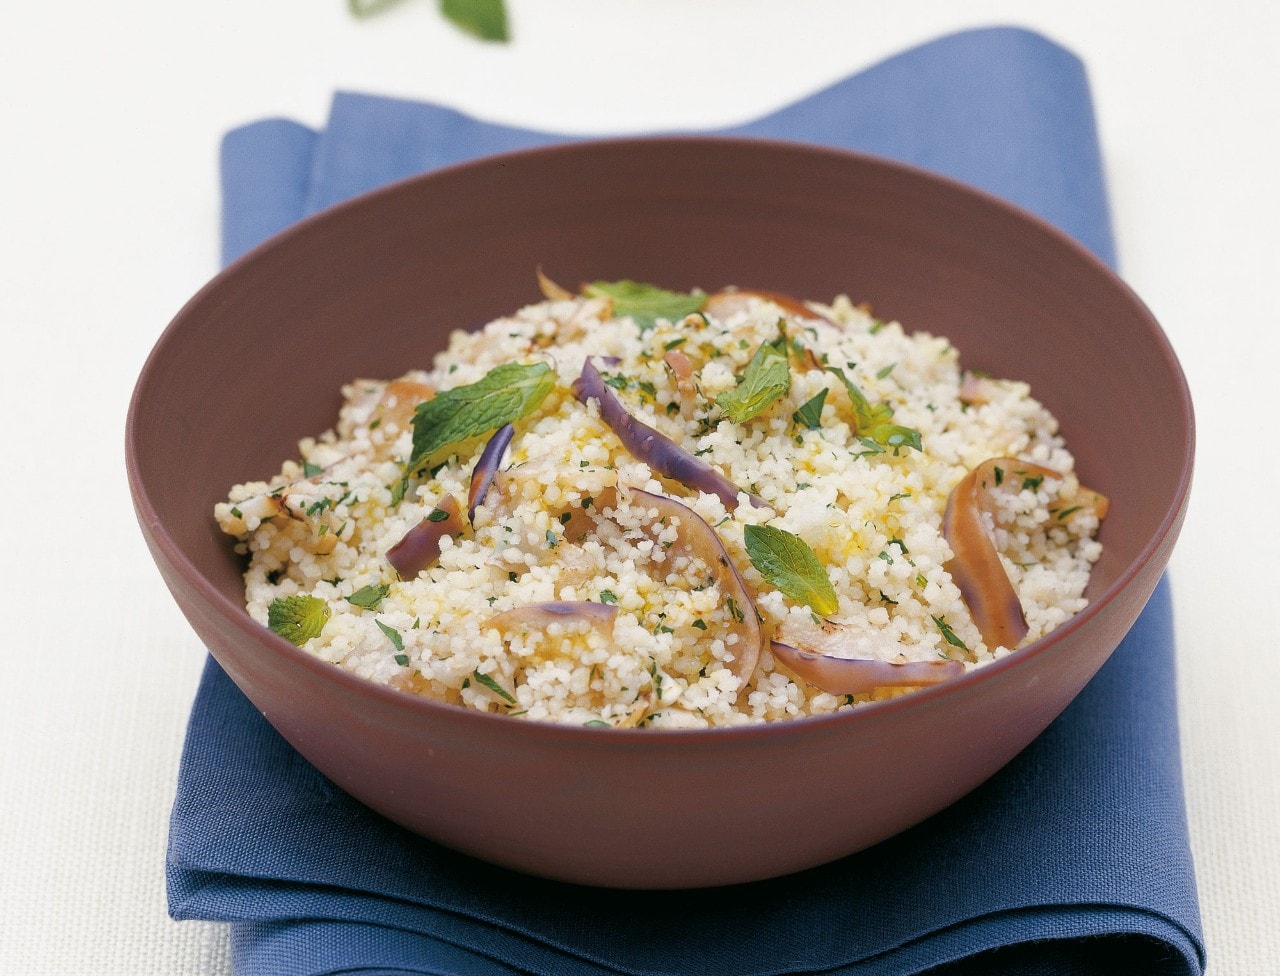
<point x="740" y="509"/>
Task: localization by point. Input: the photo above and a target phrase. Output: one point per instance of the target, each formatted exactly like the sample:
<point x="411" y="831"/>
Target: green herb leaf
<point x="297" y="618"/>
<point x="787" y="562"/>
<point x="392" y="634"/>
<point x="402" y="660"/>
<point x="948" y="634"/>
<point x="367" y="8"/>
<point x="865" y="414"/>
<point x="485" y="19"/>
<point x="809" y="415"/>
<point x="369" y="596"/>
<point x="310" y="470"/>
<point x="505" y="394"/>
<point x="767" y="378"/>
<point x="493" y="686"/>
<point x="397" y="490"/>
<point x="871" y="421"/>
<point x="894" y="436"/>
<point x="645" y="303"/>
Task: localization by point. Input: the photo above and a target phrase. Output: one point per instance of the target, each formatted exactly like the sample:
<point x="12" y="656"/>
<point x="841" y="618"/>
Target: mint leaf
<point x="871" y="421"/>
<point x="645" y="303"/>
<point x="297" y="618"/>
<point x="505" y="394"/>
<point x="893" y="436"/>
<point x="864" y="413"/>
<point x="369" y="596"/>
<point x="367" y="8"/>
<point x="786" y="561"/>
<point x="766" y="378"/>
<point x="809" y="415"/>
<point x="485" y="19"/>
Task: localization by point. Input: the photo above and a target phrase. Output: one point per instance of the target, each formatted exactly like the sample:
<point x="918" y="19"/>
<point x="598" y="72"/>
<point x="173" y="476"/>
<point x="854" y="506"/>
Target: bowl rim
<point x="387" y="696"/>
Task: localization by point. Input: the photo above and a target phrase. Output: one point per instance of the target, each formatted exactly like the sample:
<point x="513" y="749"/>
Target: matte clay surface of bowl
<point x="373" y="287"/>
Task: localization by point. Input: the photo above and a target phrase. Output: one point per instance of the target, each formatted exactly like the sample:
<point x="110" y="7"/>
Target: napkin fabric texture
<point x="1074" y="859"/>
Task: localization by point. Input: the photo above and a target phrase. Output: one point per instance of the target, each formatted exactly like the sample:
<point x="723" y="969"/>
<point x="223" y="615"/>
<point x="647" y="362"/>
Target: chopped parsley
<point x="493" y="686"/>
<point x="948" y="634"/>
<point x="317" y="507"/>
<point x="398" y="490"/>
<point x="393" y="635"/>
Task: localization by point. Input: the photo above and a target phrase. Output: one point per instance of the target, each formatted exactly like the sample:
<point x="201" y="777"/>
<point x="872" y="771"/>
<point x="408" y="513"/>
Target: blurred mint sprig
<point x="485" y="19"/>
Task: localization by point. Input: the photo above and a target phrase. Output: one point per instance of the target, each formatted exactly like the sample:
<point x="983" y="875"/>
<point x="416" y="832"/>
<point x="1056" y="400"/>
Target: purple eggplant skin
<point x="701" y="540"/>
<point x="487" y="467"/>
<point x="420" y="546"/>
<point x="540" y="615"/>
<point x="846" y="676"/>
<point x="658" y="451"/>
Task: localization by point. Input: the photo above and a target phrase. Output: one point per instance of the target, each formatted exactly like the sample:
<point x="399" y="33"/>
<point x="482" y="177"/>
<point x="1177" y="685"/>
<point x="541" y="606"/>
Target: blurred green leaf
<point x="485" y="19"/>
<point x="367" y="8"/>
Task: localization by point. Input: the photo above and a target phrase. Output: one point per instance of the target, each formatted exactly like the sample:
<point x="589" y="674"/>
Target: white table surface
<point x="110" y="122"/>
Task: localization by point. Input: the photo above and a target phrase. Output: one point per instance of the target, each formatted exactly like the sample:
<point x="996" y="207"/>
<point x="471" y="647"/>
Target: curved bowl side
<point x="373" y="287"/>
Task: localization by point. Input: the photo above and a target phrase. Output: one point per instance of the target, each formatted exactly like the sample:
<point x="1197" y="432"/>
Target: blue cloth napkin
<point x="1074" y="859"/>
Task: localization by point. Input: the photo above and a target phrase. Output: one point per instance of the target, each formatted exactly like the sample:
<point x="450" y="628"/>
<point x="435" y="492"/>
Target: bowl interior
<point x="373" y="288"/>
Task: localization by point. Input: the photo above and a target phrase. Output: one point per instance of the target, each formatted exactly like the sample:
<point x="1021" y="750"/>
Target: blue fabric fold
<point x="1073" y="859"/>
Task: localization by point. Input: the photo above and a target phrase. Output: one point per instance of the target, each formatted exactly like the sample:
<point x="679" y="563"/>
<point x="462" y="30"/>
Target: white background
<point x="109" y="125"/>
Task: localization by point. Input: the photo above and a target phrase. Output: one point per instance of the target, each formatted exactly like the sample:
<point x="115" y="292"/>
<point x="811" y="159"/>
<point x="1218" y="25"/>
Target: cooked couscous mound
<point x="634" y="508"/>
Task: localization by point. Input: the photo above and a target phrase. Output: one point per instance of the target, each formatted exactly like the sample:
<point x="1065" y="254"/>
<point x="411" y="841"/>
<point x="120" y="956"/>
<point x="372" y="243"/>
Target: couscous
<point x="631" y="507"/>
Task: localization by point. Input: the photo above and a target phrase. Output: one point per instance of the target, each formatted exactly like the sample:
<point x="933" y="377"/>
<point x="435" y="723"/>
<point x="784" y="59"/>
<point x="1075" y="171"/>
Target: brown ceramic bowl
<point x="372" y="287"/>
